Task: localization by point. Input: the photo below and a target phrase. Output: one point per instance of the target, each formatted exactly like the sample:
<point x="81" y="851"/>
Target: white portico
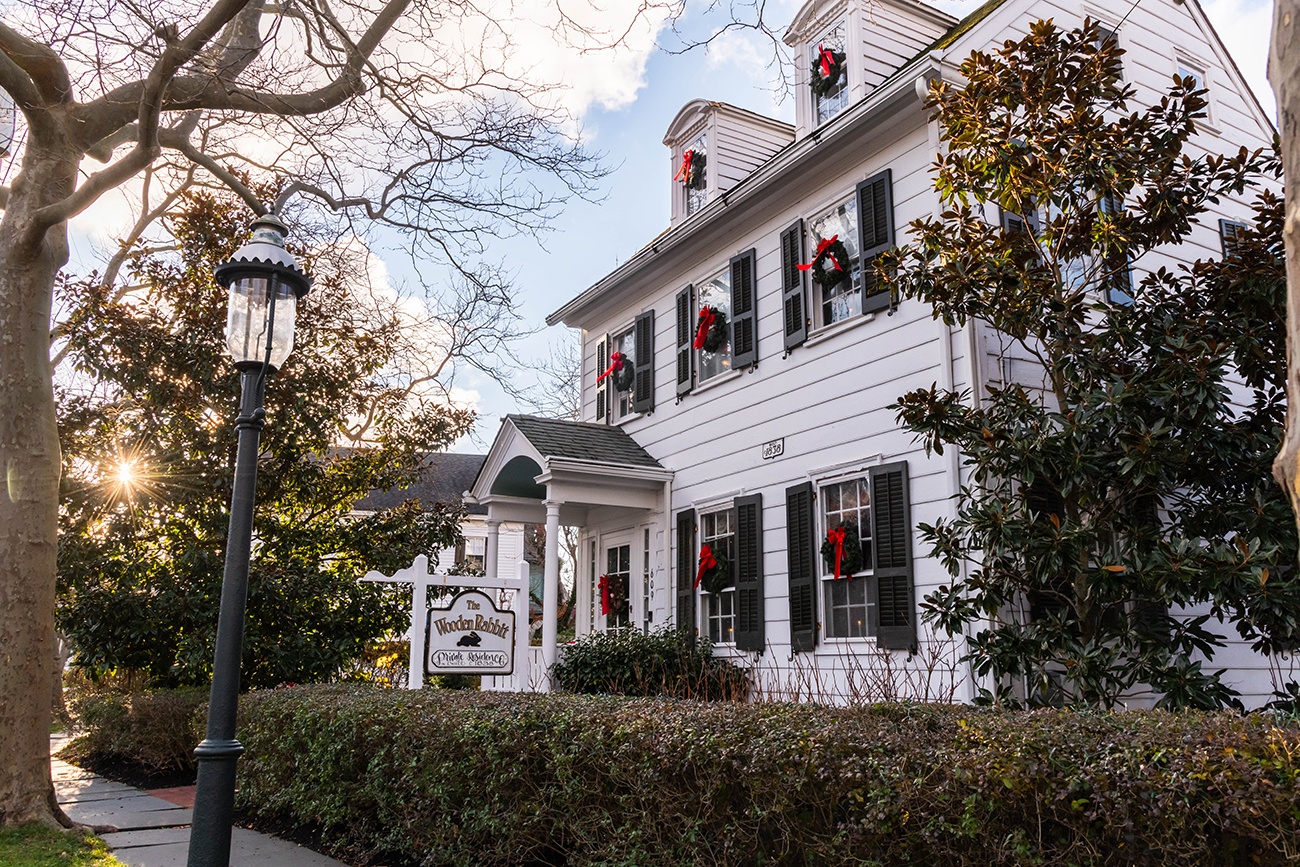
<point x="555" y="472"/>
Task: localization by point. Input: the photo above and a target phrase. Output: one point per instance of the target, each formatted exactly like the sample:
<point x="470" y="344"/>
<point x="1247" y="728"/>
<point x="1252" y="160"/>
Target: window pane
<point x="716" y="293"/>
<point x="826" y="106"/>
<point x="697" y="193"/>
<point x="624" y="344"/>
<point x="844" y="299"/>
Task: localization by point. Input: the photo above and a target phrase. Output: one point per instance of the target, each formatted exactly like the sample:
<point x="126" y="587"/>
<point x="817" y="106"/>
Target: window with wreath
<point x="828" y="74"/>
<point x="717" y="530"/>
<point x="692" y="174"/>
<point x="862" y="528"/>
<point x="622" y="403"/>
<point x="849" y="599"/>
<point x="837" y="285"/>
<point x="713" y="335"/>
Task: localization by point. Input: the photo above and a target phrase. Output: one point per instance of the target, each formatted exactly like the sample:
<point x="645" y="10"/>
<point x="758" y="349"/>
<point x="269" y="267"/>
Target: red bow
<point x="707" y="318"/>
<point x="707" y="562"/>
<point x="684" y="173"/>
<point x="615" y="363"/>
<point x="827" y="61"/>
<point x="606" y="603"/>
<point x="822" y="246"/>
<point x="836" y="538"/>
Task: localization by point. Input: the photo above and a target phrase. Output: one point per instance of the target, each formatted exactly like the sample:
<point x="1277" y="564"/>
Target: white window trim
<point x="613" y="395"/>
<point x="731" y="372"/>
<point x="816" y="30"/>
<point x="680" y="193"/>
<point x="702" y="597"/>
<point x="1182" y="57"/>
<point x="829" y="645"/>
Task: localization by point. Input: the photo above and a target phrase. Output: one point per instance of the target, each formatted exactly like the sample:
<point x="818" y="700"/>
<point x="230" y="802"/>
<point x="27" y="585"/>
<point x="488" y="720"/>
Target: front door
<point x="615" y="599"/>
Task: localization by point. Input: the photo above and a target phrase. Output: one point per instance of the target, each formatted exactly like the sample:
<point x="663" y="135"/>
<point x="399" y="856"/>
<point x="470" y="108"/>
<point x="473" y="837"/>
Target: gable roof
<point x="583" y="441"/>
<point x="443" y="478"/>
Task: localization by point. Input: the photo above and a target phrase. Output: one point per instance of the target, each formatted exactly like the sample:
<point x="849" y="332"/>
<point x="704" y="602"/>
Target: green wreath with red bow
<point x="842" y="550"/>
<point x="714" y="572"/>
<point x="691" y="173"/>
<point x="710" y="329"/>
<point x="830" y="263"/>
<point x="828" y="67"/>
<point x="621" y="371"/>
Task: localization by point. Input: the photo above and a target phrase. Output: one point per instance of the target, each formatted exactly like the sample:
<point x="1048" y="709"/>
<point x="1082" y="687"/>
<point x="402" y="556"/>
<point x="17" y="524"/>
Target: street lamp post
<point x="265" y="283"/>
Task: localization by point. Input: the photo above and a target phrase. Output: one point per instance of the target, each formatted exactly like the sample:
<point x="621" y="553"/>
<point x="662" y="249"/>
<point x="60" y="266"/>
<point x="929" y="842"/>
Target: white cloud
<point x="1244" y="26"/>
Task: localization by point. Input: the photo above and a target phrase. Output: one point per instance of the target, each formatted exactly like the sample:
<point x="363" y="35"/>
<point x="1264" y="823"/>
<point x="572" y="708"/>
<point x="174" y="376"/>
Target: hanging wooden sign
<point x="470" y="636"/>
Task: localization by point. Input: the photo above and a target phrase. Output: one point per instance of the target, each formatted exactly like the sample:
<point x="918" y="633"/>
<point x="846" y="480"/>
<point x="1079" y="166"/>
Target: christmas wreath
<point x="830" y="264"/>
<point x="621" y="370"/>
<point x="714" y="571"/>
<point x="843" y="550"/>
<point x="691" y="174"/>
<point x="827" y="70"/>
<point x="710" y="329"/>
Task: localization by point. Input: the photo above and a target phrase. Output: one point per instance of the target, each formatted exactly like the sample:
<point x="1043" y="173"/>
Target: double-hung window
<point x="864" y="224"/>
<point x="732" y="612"/>
<point x="850" y="599"/>
<point x="718" y="531"/>
<point x="716" y="324"/>
<point x="693" y="174"/>
<point x="625" y="371"/>
<point x="842" y="300"/>
<point x="714" y="294"/>
<point x="873" y="597"/>
<point x="826" y="105"/>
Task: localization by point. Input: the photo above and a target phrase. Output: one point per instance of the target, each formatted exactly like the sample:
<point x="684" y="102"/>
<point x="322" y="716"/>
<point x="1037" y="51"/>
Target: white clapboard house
<point x="784" y="431"/>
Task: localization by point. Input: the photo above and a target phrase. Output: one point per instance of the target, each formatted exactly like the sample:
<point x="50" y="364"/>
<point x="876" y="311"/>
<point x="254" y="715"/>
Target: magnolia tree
<point x="1127" y="488"/>
<point x="377" y="111"/>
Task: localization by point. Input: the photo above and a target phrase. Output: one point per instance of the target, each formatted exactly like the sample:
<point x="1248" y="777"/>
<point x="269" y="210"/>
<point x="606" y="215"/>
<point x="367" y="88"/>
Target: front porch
<point x="565" y="473"/>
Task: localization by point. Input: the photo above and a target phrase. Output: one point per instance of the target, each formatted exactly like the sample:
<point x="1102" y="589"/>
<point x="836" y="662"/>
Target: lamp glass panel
<point x="261" y="310"/>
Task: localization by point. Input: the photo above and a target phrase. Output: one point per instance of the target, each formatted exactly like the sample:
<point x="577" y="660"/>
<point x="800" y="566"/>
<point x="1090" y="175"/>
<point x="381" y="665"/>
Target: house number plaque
<point x="774" y="449"/>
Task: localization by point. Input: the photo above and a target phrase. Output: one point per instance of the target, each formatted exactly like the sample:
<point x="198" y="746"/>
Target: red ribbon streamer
<point x="827" y="61"/>
<point x="822" y="246"/>
<point x="836" y="537"/>
<point x="707" y="318"/>
<point x="615" y="363"/>
<point x="707" y="562"/>
<point x="684" y="173"/>
<point x="606" y="602"/>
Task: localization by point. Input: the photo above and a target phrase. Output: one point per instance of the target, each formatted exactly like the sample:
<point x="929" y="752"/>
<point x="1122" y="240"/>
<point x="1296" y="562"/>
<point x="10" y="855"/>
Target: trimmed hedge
<point x="155" y="730"/>
<point x="505" y="779"/>
<point x="666" y="662"/>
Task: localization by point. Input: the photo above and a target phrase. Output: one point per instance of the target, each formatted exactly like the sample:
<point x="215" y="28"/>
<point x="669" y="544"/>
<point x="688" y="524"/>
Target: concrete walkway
<point x="154" y="831"/>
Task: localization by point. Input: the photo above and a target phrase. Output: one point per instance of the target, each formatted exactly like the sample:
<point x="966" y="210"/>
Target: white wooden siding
<point x="829" y="399"/>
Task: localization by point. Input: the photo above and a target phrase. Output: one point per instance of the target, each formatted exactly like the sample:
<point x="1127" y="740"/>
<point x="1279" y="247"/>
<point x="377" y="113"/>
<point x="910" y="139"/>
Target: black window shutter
<point x="643" y="388"/>
<point x="749" y="573"/>
<point x="744" y="319"/>
<point x="792" y="298"/>
<point x="685" y="337"/>
<point x="1228" y="231"/>
<point x="602" y="386"/>
<point x="686" y="562"/>
<point x="891" y="529"/>
<point x="803" y="566"/>
<point x="875" y="235"/>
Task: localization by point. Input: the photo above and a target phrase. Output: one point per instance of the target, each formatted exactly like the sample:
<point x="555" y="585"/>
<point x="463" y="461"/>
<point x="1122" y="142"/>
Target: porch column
<point x="490" y="556"/>
<point x="551" y="588"/>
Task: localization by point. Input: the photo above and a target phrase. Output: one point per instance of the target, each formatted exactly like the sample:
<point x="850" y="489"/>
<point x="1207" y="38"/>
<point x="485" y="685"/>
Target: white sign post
<point x="419" y="577"/>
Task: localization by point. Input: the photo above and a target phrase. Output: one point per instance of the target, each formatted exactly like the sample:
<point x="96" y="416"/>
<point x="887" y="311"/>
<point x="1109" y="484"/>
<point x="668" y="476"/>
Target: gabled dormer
<point x="713" y="146"/>
<point x="844" y="49"/>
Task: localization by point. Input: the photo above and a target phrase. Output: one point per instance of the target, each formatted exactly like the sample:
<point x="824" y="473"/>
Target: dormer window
<point x="829" y="74"/>
<point x="692" y="174"/>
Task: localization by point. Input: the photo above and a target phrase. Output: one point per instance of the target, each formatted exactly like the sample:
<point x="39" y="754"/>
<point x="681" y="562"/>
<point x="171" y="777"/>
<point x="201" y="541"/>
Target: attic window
<point x="830" y="103"/>
<point x="692" y="174"/>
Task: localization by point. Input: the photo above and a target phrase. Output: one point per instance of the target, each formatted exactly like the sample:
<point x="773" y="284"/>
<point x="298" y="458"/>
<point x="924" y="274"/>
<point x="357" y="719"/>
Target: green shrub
<point x="667" y="662"/>
<point x="462" y="778"/>
<point x="155" y="731"/>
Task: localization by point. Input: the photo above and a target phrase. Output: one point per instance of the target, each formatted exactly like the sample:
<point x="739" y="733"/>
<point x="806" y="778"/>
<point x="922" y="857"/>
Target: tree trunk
<point x="29" y="455"/>
<point x="1284" y="75"/>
